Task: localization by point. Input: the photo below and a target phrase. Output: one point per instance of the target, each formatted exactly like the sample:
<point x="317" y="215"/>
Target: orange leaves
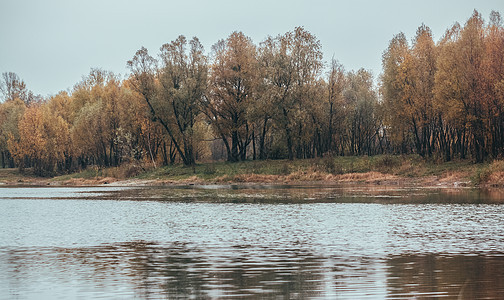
<point x="31" y="131"/>
<point x="451" y="87"/>
<point x="44" y="140"/>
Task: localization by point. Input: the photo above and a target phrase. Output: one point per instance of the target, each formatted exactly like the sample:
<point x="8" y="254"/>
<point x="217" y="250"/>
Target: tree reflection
<point x="461" y="276"/>
<point x="291" y="194"/>
<point x="149" y="270"/>
<point x="177" y="271"/>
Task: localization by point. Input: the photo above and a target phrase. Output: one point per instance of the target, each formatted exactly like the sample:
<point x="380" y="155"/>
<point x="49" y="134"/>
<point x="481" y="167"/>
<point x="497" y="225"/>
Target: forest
<point x="277" y="99"/>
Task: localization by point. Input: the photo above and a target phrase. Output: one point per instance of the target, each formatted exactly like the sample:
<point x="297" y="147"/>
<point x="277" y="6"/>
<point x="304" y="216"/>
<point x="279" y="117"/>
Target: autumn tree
<point x="12" y="87"/>
<point x="452" y="116"/>
<point x="459" y="80"/>
<point x="44" y="141"/>
<point x="97" y="119"/>
<point x="183" y="78"/>
<point x="10" y="114"/>
<point x="421" y="102"/>
<point x="336" y="81"/>
<point x="360" y="102"/>
<point x="392" y="89"/>
<point x="233" y="83"/>
<point x="493" y="82"/>
<point x="173" y="91"/>
<point x="293" y="66"/>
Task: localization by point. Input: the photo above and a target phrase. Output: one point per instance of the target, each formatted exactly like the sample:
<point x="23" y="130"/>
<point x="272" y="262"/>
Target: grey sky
<point x="51" y="44"/>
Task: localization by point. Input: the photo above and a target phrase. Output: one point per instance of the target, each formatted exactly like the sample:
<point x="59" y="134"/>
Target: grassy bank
<point x="381" y="169"/>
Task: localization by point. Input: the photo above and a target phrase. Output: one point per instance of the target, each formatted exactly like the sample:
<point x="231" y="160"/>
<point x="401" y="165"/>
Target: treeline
<point x="273" y="100"/>
<point x="447" y="99"/>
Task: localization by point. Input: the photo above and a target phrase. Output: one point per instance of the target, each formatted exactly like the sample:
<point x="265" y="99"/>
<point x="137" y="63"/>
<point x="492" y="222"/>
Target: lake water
<point x="251" y="242"/>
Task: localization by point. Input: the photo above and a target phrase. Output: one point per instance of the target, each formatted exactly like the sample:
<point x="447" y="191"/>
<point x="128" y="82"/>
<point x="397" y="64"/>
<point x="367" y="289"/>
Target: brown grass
<point x="496" y="178"/>
<point x="454" y="176"/>
<point x="365" y="177"/>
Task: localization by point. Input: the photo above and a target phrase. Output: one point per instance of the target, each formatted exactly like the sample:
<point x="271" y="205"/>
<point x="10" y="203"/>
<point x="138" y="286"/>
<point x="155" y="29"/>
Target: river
<point x="213" y="242"/>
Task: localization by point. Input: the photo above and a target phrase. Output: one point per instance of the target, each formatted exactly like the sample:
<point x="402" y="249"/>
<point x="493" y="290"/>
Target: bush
<point x="328" y="164"/>
<point x="284" y="169"/>
<point x="484" y="174"/>
<point x="387" y="163"/>
<point x="124" y="171"/>
<point x="209" y="169"/>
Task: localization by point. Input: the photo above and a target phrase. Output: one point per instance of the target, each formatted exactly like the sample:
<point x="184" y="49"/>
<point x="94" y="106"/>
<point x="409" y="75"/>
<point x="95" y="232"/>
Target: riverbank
<point x="379" y="170"/>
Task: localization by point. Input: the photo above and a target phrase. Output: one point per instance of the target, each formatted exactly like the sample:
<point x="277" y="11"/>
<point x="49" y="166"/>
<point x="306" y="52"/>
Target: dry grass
<point x="306" y="175"/>
<point x="454" y="176"/>
<point x="256" y="178"/>
<point x="365" y="177"/>
<point x="309" y="176"/>
<point x="493" y="174"/>
<point x="496" y="178"/>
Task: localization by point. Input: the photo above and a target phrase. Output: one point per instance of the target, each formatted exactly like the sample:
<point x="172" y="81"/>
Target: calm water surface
<point x="251" y="242"/>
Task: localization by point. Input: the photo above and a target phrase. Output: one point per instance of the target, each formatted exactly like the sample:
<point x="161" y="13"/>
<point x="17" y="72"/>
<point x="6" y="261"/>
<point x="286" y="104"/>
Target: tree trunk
<point x="253" y="144"/>
<point x="262" y="140"/>
<point x="288" y="135"/>
<point x="234" y="147"/>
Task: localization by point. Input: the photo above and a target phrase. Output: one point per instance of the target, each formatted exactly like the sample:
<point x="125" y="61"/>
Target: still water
<point x="251" y="242"/>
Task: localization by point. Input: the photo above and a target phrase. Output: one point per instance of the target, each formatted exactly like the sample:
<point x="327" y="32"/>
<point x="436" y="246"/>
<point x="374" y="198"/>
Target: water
<point x="250" y="242"/>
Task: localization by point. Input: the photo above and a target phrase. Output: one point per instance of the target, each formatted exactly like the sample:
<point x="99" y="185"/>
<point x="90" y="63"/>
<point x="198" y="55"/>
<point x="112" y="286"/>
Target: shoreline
<point x="374" y="171"/>
<point x="366" y="178"/>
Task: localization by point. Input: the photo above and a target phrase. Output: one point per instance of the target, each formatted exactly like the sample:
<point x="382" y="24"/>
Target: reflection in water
<point x="149" y="270"/>
<point x="311" y="194"/>
<point x="209" y="242"/>
<point x="461" y="276"/>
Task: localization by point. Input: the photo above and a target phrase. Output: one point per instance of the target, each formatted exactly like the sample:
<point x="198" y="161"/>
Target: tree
<point x="183" y="78"/>
<point x="407" y="87"/>
<point x="493" y="78"/>
<point x="360" y="101"/>
<point x="422" y="110"/>
<point x="336" y="82"/>
<point x="173" y="92"/>
<point x="392" y="90"/>
<point x="44" y="141"/>
<point x="12" y="87"/>
<point x="233" y="83"/>
<point x="293" y="65"/>
<point x="459" y="81"/>
<point x="10" y="114"/>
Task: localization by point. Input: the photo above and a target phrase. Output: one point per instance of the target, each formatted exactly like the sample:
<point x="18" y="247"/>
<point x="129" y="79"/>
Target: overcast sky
<point x="51" y="44"/>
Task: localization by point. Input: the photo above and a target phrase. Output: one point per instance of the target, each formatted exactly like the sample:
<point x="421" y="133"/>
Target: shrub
<point x="209" y="169"/>
<point x="387" y="163"/>
<point x="484" y="174"/>
<point x="328" y="164"/>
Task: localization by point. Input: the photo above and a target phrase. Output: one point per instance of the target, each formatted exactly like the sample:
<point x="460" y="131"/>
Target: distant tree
<point x="459" y="81"/>
<point x="183" y="78"/>
<point x="173" y="92"/>
<point x="392" y="88"/>
<point x="12" y="87"/>
<point x="293" y="64"/>
<point x="11" y="113"/>
<point x="44" y="141"/>
<point x="233" y="82"/>
<point x="360" y="101"/>
<point x="493" y="78"/>
<point x="336" y="81"/>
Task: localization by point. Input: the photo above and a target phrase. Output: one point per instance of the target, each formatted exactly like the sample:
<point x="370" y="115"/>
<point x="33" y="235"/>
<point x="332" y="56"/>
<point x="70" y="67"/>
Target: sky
<point x="52" y="44"/>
